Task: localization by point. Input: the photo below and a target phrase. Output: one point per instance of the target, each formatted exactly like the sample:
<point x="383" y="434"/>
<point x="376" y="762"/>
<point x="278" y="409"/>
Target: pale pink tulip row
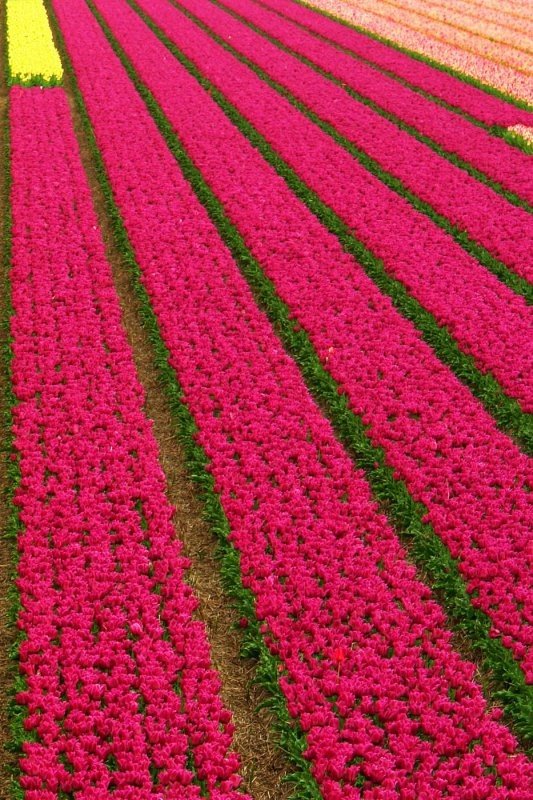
<point x="512" y="9"/>
<point x="496" y="26"/>
<point x="505" y="230"/>
<point x="365" y="658"/>
<point x="470" y="14"/>
<point x="476" y="65"/>
<point x="121" y="700"/>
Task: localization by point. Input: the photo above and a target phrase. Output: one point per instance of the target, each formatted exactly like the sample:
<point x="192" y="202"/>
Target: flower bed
<point x="365" y="660"/>
<point x="500" y="27"/>
<point x="475" y="65"/>
<point x="487" y="41"/>
<point x="120" y="698"/>
<point x="453" y="134"/>
<point x="390" y="376"/>
<point x="464" y="97"/>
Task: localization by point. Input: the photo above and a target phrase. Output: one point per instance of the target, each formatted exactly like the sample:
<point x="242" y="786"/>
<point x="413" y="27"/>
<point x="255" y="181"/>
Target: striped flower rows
<point x="412" y="411"/>
<point x="487" y="320"/>
<point x="32" y="55"/>
<point x="484" y="42"/>
<point x="504" y="165"/>
<point x="330" y="243"/>
<point x="493" y="63"/>
<point x="339" y="602"/>
<point x="471" y="206"/>
<point x="499" y="28"/>
<point x="119" y="693"/>
<point x="470" y="100"/>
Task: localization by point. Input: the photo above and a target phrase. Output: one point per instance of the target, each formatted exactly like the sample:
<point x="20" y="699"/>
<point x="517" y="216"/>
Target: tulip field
<point x="267" y="400"/>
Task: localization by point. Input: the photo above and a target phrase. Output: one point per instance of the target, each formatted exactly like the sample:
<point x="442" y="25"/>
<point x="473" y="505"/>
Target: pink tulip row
<point x="485" y="65"/>
<point x="467" y="98"/>
<point x="365" y="659"/>
<point x="504" y="229"/>
<point x="417" y="410"/>
<point x="494" y="157"/>
<point x="487" y="319"/>
<point x="120" y="696"/>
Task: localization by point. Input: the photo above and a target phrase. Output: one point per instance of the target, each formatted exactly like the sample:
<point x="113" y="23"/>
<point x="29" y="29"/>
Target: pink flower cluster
<point x="486" y="318"/>
<point x="417" y="410"/>
<point x="504" y="229"/>
<point x="365" y="659"/>
<point x="484" y="107"/>
<point x="501" y="162"/>
<point x="120" y="693"/>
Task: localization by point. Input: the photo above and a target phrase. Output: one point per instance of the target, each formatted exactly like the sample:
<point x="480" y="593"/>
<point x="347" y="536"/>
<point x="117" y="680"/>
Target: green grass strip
<point x="291" y="740"/>
<point x="501" y="132"/>
<point x="510" y="196"/>
<point x="494" y="265"/>
<point x="455" y="73"/>
<point x="35" y="80"/>
<point x="506" y="410"/>
<point x="432" y="558"/>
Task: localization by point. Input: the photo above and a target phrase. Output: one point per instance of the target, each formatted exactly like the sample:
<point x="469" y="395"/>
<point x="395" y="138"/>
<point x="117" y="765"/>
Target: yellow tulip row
<point x="32" y="55"/>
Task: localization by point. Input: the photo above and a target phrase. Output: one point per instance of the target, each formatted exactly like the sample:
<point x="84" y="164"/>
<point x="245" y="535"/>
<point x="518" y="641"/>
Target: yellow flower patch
<point x="32" y="55"/>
